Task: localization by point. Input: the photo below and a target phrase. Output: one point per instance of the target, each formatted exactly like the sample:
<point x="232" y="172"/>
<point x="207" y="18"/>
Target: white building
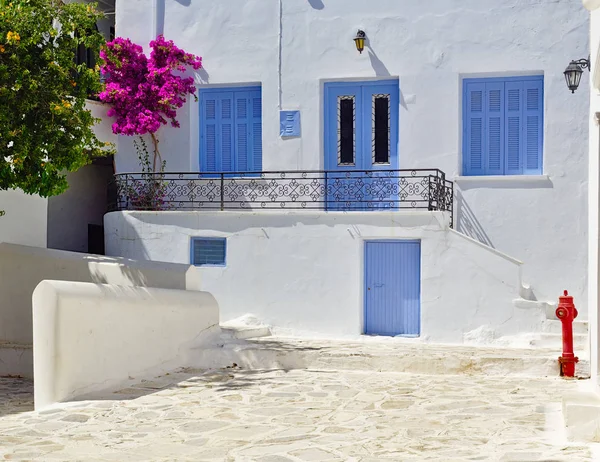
<point x="450" y="98"/>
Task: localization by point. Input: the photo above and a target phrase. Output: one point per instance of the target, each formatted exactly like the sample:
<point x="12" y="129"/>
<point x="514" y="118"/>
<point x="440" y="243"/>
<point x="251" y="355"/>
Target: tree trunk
<point x="156" y="152"/>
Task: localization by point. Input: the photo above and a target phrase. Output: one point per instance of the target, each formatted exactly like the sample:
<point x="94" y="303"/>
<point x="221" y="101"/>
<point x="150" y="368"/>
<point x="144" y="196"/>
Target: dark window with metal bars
<point x="381" y="129"/>
<point x="346" y="116"/>
<point x="208" y="251"/>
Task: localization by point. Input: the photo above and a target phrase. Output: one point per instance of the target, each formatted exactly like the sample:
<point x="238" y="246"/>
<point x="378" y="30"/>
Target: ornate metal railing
<point x="315" y="190"/>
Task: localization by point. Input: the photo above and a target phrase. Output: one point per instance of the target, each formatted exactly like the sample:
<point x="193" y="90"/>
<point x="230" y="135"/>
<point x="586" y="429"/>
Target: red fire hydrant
<point x="567" y="312"/>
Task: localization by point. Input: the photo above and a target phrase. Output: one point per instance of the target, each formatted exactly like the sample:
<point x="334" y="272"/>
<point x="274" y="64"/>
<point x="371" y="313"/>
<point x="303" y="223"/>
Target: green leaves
<point x="45" y="128"/>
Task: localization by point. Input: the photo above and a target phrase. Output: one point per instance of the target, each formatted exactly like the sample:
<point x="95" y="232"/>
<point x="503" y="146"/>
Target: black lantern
<point x="359" y="40"/>
<point x="574" y="71"/>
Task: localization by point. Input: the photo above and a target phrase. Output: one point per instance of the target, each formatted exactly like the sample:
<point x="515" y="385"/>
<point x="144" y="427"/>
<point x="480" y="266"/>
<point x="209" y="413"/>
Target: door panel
<point x="380" y="103"/>
<point x="361" y="135"/>
<point x="393" y="288"/>
<point x="343" y="153"/>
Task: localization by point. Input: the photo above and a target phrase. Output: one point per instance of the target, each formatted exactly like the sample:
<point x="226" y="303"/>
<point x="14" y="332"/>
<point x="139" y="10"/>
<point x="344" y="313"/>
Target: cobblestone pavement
<point x="300" y="415"/>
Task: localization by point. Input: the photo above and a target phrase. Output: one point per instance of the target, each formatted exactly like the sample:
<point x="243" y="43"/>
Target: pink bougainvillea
<point x="145" y="92"/>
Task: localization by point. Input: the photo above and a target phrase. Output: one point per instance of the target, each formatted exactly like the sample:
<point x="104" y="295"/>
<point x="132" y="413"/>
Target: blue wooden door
<point x="393" y="288"/>
<point x="361" y="143"/>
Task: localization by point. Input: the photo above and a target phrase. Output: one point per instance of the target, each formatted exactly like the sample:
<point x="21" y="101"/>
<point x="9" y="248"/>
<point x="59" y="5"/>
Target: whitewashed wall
<point x="430" y="46"/>
<point x="22" y="268"/>
<point x="594" y="190"/>
<point x="90" y="338"/>
<point x="304" y="270"/>
<point x="25" y="221"/>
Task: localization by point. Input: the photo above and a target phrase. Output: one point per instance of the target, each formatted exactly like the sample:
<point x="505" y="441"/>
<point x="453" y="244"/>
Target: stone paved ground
<point x="277" y="416"/>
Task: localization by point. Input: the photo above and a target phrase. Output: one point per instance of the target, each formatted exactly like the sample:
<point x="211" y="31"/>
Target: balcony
<point x="359" y="190"/>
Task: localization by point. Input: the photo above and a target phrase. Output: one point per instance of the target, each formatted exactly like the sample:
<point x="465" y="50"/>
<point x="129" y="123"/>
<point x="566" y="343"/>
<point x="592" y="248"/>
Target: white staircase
<point x="550" y="336"/>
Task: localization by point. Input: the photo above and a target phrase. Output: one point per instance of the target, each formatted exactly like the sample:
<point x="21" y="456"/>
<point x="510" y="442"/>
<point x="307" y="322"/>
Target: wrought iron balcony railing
<point x="357" y="190"/>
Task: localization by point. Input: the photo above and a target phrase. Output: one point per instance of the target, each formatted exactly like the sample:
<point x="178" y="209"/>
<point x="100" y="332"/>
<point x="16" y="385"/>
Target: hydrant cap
<point x="566" y="298"/>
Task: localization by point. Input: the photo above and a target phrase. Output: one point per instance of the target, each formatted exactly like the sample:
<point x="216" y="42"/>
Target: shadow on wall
<point x="203" y="75"/>
<point x="381" y="69"/>
<point x="316" y="4"/>
<point x="160" y="14"/>
<point x="133" y="275"/>
<point x="466" y="221"/>
<point x="135" y="243"/>
<point x="377" y="64"/>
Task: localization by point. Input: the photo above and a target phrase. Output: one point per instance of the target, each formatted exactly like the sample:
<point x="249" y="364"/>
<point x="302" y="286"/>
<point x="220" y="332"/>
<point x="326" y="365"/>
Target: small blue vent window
<point x="208" y="251"/>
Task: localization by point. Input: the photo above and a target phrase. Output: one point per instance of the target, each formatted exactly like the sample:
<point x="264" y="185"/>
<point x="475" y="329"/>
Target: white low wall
<point x="93" y="337"/>
<point x="22" y="268"/>
<point x="304" y="270"/>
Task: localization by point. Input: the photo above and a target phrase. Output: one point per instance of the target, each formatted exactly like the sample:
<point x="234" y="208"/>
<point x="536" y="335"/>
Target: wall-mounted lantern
<point x="359" y="40"/>
<point x="574" y="71"/>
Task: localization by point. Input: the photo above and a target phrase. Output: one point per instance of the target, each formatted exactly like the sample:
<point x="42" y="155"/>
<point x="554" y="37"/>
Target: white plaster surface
<point x="594" y="201"/>
<point x="430" y="46"/>
<point x="23" y="268"/>
<point x="25" y="221"/>
<point x="359" y="413"/>
<point x="303" y="271"/>
<point x="102" y="129"/>
<point x="91" y="337"/>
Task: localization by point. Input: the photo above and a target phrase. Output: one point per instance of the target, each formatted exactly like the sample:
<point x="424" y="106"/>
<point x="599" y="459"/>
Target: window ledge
<point x="504" y="181"/>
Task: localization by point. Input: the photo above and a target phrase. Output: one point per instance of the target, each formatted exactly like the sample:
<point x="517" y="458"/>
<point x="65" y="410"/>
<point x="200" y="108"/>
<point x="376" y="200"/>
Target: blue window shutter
<point x="241" y="131"/>
<point x="513" y="128"/>
<point x="533" y="113"/>
<point x="226" y="133"/>
<point x="256" y="131"/>
<point x="231" y="130"/>
<point x="208" y="147"/>
<point x="474" y="127"/>
<point x="494" y="94"/>
<point x="248" y="126"/>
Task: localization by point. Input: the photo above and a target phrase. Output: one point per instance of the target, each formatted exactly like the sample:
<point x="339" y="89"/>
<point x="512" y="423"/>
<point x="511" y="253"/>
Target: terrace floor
<point x="314" y="414"/>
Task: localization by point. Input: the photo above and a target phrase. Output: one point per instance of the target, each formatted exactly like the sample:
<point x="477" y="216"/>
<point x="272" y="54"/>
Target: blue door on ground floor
<point x="393" y="288"/>
<point x="361" y="144"/>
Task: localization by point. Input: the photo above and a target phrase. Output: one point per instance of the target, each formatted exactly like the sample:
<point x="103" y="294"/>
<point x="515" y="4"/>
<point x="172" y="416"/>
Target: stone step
<point x="401" y="356"/>
<point x="246" y="332"/>
<point x="554" y="326"/>
<point x="553" y="341"/>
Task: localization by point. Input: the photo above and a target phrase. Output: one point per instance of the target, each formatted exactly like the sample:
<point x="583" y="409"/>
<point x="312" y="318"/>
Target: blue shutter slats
<point x="226" y="133"/>
<point x="241" y="124"/>
<point x="475" y="129"/>
<point x="534" y="126"/>
<point x="514" y="91"/>
<point x="503" y="126"/>
<point x="257" y="134"/>
<point x="208" y="161"/>
<point x="231" y="130"/>
<point x="495" y="128"/>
